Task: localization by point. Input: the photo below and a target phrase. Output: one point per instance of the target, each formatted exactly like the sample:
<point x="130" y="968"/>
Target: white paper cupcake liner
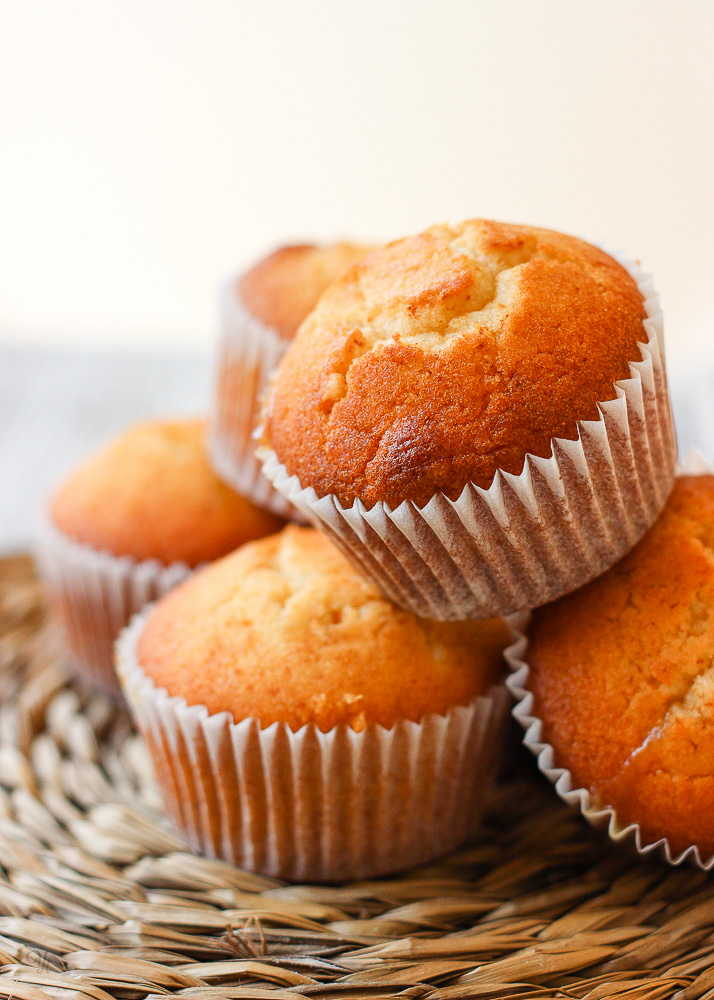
<point x="581" y="799"/>
<point x="94" y="595"/>
<point x="528" y="538"/>
<point x="314" y="806"/>
<point x="249" y="351"/>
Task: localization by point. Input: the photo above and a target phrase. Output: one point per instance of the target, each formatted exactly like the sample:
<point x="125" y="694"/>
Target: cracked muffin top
<point x="285" y="630"/>
<point x="151" y="494"/>
<point x="445" y="356"/>
<point x="281" y="289"/>
<point x="623" y="676"/>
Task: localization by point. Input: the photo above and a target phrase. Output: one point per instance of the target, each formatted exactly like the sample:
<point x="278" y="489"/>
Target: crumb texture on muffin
<point x="281" y="289"/>
<point x="151" y="494"/>
<point x="445" y="356"/>
<point x="285" y="630"/>
<point x="623" y="676"/>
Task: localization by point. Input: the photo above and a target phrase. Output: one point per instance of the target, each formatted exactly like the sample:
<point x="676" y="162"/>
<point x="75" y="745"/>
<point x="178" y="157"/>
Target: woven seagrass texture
<point x="99" y="899"/>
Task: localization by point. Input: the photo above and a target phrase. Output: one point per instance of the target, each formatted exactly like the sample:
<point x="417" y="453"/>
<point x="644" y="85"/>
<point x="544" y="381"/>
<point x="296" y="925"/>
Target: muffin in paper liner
<point x="527" y="538"/>
<point x="316" y="806"/>
<point x="582" y="799"/>
<point x="249" y="351"/>
<point x="93" y="596"/>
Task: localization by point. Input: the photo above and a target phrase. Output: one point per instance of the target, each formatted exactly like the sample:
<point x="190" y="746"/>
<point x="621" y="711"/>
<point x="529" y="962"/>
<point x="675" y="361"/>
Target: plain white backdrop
<point x="150" y="147"/>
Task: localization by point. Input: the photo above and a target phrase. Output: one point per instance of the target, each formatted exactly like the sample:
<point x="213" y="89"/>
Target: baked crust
<point x="281" y="289"/>
<point x="623" y="679"/>
<point x="286" y="630"/>
<point x="445" y="356"/>
<point x="151" y="494"/>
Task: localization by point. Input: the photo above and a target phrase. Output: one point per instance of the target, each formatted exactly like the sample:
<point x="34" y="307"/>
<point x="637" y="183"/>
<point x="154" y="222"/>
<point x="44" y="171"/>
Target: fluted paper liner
<point x="601" y="817"/>
<point x="94" y="595"/>
<point x="249" y="351"/>
<point x="310" y="805"/>
<point x="528" y="538"/>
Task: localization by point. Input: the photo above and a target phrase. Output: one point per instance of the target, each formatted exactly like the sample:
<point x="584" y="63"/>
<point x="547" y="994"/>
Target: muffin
<point x="621" y="682"/>
<point x="260" y="313"/>
<point x="479" y="413"/>
<point x="305" y="727"/>
<point x="130" y="523"/>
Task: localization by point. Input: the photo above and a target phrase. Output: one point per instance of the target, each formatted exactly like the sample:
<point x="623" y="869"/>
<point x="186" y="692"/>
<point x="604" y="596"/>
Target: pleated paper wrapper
<point x="94" y="595"/>
<point x="316" y="806"/>
<point x="581" y="799"/>
<point x="249" y="352"/>
<point x="528" y="538"/>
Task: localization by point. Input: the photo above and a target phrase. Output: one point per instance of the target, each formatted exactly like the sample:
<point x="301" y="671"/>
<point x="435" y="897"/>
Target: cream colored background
<point x="149" y="147"/>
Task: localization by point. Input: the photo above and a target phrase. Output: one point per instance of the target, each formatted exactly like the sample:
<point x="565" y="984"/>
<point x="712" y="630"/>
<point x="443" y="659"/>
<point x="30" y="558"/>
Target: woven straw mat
<point x="100" y="899"/>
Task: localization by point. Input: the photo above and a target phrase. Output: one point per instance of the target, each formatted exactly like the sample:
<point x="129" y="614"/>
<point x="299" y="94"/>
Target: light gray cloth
<point x="56" y="407"/>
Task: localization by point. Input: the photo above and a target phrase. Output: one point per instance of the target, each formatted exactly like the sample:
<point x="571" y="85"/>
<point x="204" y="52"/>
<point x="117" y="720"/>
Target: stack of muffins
<point x="475" y="421"/>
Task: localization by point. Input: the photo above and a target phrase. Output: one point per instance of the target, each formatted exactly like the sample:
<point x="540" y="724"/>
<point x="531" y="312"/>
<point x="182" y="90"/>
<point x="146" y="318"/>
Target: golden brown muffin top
<point x="443" y="357"/>
<point x="286" y="630"/>
<point x="282" y="288"/>
<point x="151" y="494"/>
<point x="623" y="675"/>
